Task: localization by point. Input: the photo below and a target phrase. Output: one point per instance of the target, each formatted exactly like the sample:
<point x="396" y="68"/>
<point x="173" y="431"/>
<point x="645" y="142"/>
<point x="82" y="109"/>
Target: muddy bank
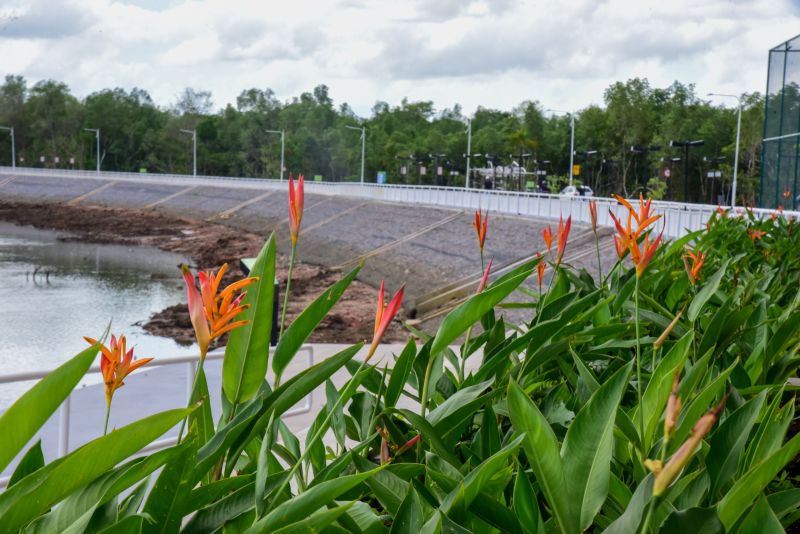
<point x="209" y="245"/>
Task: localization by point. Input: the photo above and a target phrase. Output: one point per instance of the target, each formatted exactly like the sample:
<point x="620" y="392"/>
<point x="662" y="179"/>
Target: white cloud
<point x="475" y="52"/>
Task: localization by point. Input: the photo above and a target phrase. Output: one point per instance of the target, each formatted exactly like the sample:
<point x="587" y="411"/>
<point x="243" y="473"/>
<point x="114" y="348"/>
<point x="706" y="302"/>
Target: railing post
<point x="191" y="369"/>
<point x="63" y="427"/>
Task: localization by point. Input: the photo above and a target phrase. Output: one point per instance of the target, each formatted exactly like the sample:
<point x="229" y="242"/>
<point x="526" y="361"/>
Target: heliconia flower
<point x="673" y="409"/>
<point x="563" y="235"/>
<point x="755" y="235"/>
<point x="540" y="270"/>
<point x="408" y="444"/>
<point x="665" y="334"/>
<point x="211" y="311"/>
<point x="643" y="217"/>
<point x="384" y="316"/>
<point x="693" y="270"/>
<point x="485" y="276"/>
<point x="722" y="212"/>
<point x="787" y="194"/>
<point x="648" y="251"/>
<point x="116" y="364"/>
<point x="621" y="246"/>
<point x="547" y="234"/>
<point x="295" y="206"/>
<point x="667" y="473"/>
<point x="593" y="214"/>
<point x="481" y="224"/>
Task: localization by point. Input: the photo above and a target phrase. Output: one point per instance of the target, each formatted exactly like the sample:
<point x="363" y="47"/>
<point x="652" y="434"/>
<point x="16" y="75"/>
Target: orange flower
<point x="643" y="217"/>
<point x="621" y="246"/>
<point x="755" y="234"/>
<point x="296" y="201"/>
<point x="698" y="259"/>
<point x="213" y="312"/>
<point x="563" y="235"/>
<point x="787" y="194"/>
<point x="485" y="276"/>
<point x="116" y="363"/>
<point x="480" y="224"/>
<point x="722" y="212"/>
<point x="384" y="316"/>
<point x="547" y="234"/>
<point x="540" y="270"/>
<point x="593" y="214"/>
<point x="673" y="408"/>
<point x="642" y="259"/>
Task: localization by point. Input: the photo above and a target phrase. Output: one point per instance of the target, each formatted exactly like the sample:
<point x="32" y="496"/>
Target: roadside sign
<point x="666" y="173"/>
<point x="714" y="174"/>
<point x="381" y="179"/>
<point x="576" y="170"/>
<point x="317" y="177"/>
<point x="423" y="171"/>
<point x="403" y="170"/>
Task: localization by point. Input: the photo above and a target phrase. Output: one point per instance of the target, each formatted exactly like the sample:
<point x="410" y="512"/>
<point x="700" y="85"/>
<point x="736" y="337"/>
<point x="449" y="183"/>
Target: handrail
<point x="679" y="218"/>
<point x="191" y="362"/>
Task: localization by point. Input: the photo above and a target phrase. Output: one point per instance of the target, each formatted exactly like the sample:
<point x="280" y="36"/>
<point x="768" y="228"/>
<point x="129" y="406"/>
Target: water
<point x="78" y="288"/>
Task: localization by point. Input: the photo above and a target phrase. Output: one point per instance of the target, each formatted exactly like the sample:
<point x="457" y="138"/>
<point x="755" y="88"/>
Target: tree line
<point x="621" y="146"/>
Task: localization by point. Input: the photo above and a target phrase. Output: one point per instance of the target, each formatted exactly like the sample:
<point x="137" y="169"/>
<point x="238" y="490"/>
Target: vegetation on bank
<point x="654" y="399"/>
<point x="136" y="133"/>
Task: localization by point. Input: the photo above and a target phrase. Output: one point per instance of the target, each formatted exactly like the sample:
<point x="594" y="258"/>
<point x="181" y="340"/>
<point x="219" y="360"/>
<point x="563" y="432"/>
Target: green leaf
<point x="316" y="522"/>
<point x="32" y="461"/>
<point x="408" y="519"/>
<point x="468" y="313"/>
<point x="387" y="487"/>
<point x="400" y="371"/>
<point x="706" y="292"/>
<point x="57" y="480"/>
<point x="297" y="508"/>
<point x="541" y="449"/>
<point x="130" y="525"/>
<point x="761" y="520"/>
<point x="459" y="499"/>
<point x="247" y="352"/>
<point x="587" y="449"/>
<point x="728" y="442"/>
<point x="747" y="488"/>
<point x="305" y="323"/>
<point x="201" y="421"/>
<point x="167" y="501"/>
<point x="25" y="417"/>
<point x="632" y="517"/>
<point x="694" y="520"/>
<point x="525" y="505"/>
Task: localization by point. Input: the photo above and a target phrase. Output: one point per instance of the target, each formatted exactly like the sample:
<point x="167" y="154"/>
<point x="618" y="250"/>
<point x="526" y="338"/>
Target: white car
<point x="577" y="191"/>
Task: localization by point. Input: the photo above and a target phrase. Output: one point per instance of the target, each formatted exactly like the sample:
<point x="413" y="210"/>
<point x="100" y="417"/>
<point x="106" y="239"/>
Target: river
<point x="54" y="292"/>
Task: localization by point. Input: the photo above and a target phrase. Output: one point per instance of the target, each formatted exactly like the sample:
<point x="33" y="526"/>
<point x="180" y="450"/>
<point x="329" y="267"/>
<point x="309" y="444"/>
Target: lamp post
<point x="97" y="139"/>
<point x="686" y="145"/>
<point x="468" y="155"/>
<point x="738" y="135"/>
<point x="363" y="147"/>
<point x="571" y="139"/>
<point x="283" y="145"/>
<point x="194" y="150"/>
<point x="13" y="148"/>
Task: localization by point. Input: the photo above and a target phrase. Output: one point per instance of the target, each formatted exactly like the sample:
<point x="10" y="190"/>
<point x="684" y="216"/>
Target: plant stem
<point x="424" y="400"/>
<point x="108" y="412"/>
<point x="649" y="517"/>
<point x="288" y="287"/>
<point x="639" y="366"/>
<point x="194" y="385"/>
<point x="599" y="265"/>
<point x="465" y="354"/>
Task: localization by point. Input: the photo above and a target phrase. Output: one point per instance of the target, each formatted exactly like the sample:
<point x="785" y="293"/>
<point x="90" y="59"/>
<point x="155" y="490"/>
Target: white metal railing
<point x="679" y="218"/>
<point x="190" y="361"/>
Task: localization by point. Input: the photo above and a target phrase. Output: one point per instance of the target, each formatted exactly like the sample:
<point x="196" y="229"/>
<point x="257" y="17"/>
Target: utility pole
<point x="468" y="155"/>
<point x="736" y="154"/>
<point x="13" y="148"/>
<point x="436" y="158"/>
<point x="363" y="130"/>
<point x="194" y="150"/>
<point x="283" y="145"/>
<point x="97" y="139"/>
<point x="686" y="145"/>
<point x="571" y="140"/>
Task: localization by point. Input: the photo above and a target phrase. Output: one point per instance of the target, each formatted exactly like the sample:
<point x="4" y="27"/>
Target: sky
<point x="490" y="53"/>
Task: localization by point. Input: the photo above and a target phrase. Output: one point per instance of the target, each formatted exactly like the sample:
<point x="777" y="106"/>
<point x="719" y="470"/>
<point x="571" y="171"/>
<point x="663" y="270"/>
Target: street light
<point x="571" y="139"/>
<point x="686" y="145"/>
<point x="97" y="138"/>
<point x="738" y="135"/>
<point x="283" y="144"/>
<point x="13" y="150"/>
<point x="194" y="150"/>
<point x="468" y="155"/>
<point x="363" y="146"/>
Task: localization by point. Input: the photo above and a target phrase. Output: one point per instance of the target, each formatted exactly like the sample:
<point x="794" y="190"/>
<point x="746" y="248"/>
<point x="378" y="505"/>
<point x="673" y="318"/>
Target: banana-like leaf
<point x="542" y="451"/>
<point x="747" y="488"/>
<point x="409" y="517"/>
<point x="26" y="416"/>
<point x="400" y="371"/>
<point x="59" y="479"/>
<point x="32" y="461"/>
<point x="761" y="520"/>
<point x="316" y="522"/>
<point x="711" y="286"/>
<point x="587" y="449"/>
<point x="247" y="352"/>
<point x="167" y="502"/>
<point x="305" y="323"/>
